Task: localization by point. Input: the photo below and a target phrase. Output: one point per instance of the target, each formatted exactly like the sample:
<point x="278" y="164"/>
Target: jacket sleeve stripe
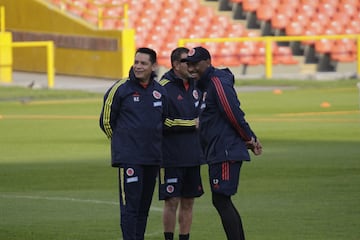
<point x="107" y="109"/>
<point x="179" y="122"/>
<point x="163" y="82"/>
<point x="229" y="113"/>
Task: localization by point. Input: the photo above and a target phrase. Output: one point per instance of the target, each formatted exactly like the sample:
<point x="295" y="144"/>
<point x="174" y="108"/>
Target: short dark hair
<point x="176" y="54"/>
<point x="150" y="52"/>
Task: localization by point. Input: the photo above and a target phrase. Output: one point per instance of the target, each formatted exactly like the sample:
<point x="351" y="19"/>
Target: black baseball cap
<point x="197" y="54"/>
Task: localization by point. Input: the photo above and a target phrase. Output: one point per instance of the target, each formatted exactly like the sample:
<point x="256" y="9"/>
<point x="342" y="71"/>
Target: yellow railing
<point x="6" y="45"/>
<point x="50" y="62"/>
<point x="268" y="44"/>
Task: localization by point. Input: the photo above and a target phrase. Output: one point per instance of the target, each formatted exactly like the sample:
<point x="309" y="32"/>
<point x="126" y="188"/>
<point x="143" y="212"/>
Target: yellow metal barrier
<point x="6" y="58"/>
<point x="50" y="63"/>
<point x="268" y="45"/>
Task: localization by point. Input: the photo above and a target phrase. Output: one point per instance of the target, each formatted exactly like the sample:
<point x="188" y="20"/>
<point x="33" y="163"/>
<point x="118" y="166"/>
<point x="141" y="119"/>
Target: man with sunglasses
<point x="180" y="180"/>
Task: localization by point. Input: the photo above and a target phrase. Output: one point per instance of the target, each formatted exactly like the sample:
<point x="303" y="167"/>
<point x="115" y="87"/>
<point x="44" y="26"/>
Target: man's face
<point x="181" y="68"/>
<point x="143" y="67"/>
<point x="198" y="69"/>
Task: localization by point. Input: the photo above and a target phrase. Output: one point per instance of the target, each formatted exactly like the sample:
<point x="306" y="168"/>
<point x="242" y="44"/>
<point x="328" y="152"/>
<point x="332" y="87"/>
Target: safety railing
<point x="268" y="44"/>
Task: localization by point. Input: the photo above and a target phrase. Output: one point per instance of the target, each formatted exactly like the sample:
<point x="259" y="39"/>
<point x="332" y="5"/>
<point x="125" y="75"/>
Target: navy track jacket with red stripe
<point x="181" y="145"/>
<point x="132" y="117"/>
<point x="223" y="128"/>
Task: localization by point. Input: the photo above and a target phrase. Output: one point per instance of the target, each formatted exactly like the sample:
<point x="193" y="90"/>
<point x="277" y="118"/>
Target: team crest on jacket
<point x="136" y="97"/>
<point x="196" y="94"/>
<point x="130" y="172"/>
<point x="156" y="94"/>
<point x="170" y="189"/>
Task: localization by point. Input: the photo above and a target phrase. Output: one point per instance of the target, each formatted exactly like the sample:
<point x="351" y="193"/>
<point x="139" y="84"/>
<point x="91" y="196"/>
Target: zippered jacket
<point x="181" y="143"/>
<point x="223" y="128"/>
<point x="132" y="118"/>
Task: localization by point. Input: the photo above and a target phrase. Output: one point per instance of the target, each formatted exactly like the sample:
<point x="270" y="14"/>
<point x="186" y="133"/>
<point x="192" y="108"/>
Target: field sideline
<point x="56" y="181"/>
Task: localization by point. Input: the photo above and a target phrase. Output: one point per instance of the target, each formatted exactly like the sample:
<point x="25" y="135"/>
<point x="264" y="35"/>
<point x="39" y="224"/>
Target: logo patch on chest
<point x="136" y="97"/>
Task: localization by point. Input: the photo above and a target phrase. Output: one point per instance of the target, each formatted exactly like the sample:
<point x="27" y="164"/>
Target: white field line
<point x="91" y="201"/>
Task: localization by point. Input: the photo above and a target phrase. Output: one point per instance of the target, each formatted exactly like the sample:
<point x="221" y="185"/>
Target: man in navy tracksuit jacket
<point x="225" y="136"/>
<point x="180" y="179"/>
<point x="132" y="117"/>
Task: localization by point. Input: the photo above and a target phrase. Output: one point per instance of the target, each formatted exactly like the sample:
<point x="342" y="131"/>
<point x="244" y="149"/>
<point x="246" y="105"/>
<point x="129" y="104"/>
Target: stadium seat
<point x="344" y="50"/>
<point x="235" y="30"/>
<point x="335" y="26"/>
<point x="295" y="28"/>
<point x="347" y="10"/>
<point x="324" y="45"/>
<point x="250" y="5"/>
<point x="301" y="18"/>
<point x="327" y="8"/>
<point x="279" y="21"/>
<point x="270" y="3"/>
<point x="287" y="8"/>
<point x="284" y="56"/>
<point x="313" y="3"/>
<point x="314" y="28"/>
<point x="265" y="13"/>
<point x="306" y="10"/>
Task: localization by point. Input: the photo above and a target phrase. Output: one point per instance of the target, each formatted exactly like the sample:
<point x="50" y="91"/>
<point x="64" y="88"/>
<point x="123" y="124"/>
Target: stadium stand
<point x="308" y="17"/>
<point x="161" y="23"/>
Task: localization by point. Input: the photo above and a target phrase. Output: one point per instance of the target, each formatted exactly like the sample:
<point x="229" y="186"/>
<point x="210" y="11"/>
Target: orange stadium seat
<point x="250" y="5"/>
<point x="286" y="9"/>
<point x="270" y="3"/>
<point x="265" y="13"/>
<point x="307" y="10"/>
<point x="313" y="3"/>
<point x="344" y="50"/>
<point x="328" y="8"/>
<point x="279" y="21"/>
<point x="324" y="45"/>
<point x="294" y="28"/>
<point x="348" y="10"/>
<point x="284" y="56"/>
<point x="319" y="18"/>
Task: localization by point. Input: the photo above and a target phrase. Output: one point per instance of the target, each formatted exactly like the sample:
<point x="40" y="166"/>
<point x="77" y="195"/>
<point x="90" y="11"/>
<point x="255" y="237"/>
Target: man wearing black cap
<point x="225" y="136"/>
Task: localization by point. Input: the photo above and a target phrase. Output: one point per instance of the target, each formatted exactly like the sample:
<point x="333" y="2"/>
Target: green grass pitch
<point x="56" y="181"/>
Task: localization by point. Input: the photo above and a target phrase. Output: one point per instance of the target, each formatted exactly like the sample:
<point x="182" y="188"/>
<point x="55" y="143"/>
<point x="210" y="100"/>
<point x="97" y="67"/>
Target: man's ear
<point x="154" y="67"/>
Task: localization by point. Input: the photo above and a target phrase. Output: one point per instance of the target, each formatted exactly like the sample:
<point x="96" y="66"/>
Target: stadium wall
<point x="80" y="48"/>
